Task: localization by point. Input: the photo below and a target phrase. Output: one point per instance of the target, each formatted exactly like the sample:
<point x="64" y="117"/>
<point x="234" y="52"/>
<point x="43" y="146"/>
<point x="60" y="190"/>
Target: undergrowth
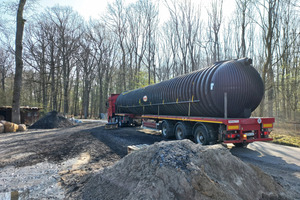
<point x="286" y="135"/>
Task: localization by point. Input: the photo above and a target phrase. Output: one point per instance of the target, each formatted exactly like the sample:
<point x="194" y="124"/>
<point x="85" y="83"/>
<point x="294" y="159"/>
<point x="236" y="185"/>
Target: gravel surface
<point x="55" y="163"/>
<point x="51" y="163"/>
<point x="38" y="181"/>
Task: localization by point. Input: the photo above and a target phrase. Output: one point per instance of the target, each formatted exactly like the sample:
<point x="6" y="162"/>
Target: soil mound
<point x="51" y="120"/>
<point x="182" y="170"/>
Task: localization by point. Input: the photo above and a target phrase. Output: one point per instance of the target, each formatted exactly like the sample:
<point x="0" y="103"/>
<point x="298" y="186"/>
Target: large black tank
<point x="200" y="93"/>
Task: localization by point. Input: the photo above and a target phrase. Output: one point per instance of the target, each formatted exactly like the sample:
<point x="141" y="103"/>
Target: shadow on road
<point x="119" y="139"/>
<point x="267" y="158"/>
<point x="287" y="174"/>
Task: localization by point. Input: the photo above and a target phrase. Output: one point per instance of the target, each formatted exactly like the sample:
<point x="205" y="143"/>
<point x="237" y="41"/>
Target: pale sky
<point x="86" y="8"/>
<point x="93" y="8"/>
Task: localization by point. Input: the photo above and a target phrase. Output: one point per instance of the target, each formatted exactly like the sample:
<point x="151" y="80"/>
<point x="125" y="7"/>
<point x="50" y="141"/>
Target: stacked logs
<point x="7" y="127"/>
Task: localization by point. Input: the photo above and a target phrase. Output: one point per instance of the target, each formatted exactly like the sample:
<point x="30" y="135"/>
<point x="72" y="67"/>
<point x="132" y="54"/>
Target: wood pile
<point x="8" y="127"/>
<point x="22" y="127"/>
<point x="1" y="128"/>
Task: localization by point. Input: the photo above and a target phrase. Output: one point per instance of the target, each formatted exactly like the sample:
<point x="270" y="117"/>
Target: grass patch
<point x="286" y="136"/>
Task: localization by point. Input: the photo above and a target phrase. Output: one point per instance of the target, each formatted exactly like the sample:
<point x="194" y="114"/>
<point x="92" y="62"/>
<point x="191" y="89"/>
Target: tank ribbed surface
<point x="200" y="93"/>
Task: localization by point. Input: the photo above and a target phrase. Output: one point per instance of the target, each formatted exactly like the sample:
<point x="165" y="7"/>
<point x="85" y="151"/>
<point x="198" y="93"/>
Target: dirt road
<point x="56" y="163"/>
<point x="50" y="164"/>
<point x="119" y="139"/>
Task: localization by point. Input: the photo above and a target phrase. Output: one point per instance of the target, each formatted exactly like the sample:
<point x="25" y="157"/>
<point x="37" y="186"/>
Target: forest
<point x="72" y="64"/>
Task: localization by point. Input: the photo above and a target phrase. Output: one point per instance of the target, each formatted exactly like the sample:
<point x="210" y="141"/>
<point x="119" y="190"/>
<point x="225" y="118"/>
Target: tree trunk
<point x="283" y="93"/>
<point x="44" y="79"/>
<point x="52" y="74"/>
<point x="262" y="103"/>
<point x="76" y="93"/>
<point x="101" y="97"/>
<point x="271" y="92"/>
<point x="3" y="88"/>
<point x="15" y="117"/>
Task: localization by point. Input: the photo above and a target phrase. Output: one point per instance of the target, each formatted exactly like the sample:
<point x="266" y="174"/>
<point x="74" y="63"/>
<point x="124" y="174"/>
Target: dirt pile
<point x="182" y="170"/>
<point x="51" y="120"/>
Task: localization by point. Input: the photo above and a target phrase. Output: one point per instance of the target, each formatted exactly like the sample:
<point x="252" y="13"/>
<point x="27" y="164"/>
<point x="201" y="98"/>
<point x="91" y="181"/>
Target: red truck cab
<point x="111" y="108"/>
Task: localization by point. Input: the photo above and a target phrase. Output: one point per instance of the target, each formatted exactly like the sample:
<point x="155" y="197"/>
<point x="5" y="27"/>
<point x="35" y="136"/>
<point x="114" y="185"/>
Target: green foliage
<point x="286" y="134"/>
<point x="141" y="80"/>
<point x="286" y="139"/>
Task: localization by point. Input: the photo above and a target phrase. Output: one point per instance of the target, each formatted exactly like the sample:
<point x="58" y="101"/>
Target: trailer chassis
<point x="239" y="131"/>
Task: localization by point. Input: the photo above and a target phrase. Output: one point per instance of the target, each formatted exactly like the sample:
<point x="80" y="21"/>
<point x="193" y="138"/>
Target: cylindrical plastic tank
<point x="200" y="93"/>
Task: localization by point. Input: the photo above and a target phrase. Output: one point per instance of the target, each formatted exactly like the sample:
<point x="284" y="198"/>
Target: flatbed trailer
<point x="217" y="130"/>
<point x="239" y="131"/>
<point x="203" y="130"/>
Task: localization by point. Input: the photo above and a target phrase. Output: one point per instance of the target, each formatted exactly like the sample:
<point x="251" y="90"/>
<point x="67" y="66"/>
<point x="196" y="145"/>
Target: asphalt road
<point x="279" y="161"/>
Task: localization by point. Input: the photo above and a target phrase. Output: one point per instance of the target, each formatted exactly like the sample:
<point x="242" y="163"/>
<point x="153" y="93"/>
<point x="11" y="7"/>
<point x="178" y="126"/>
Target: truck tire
<point x="212" y="133"/>
<point x="201" y="136"/>
<point x="119" y="122"/>
<point x="182" y="130"/>
<point x="167" y="129"/>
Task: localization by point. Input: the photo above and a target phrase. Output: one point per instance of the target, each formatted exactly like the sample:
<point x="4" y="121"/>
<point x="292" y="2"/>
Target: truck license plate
<point x="250" y="134"/>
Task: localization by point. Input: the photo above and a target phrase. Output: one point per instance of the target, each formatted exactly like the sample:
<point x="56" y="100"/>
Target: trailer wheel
<point x="201" y="136"/>
<point x="181" y="131"/>
<point x="167" y="129"/>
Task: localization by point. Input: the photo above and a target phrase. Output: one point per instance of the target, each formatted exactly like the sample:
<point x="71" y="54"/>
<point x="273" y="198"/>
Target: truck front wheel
<point x="119" y="122"/>
<point x="201" y="136"/>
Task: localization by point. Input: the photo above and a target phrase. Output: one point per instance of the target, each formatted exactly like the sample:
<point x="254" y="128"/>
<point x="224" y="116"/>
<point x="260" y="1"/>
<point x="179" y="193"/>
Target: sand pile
<point x="182" y="170"/>
<point x="51" y="120"/>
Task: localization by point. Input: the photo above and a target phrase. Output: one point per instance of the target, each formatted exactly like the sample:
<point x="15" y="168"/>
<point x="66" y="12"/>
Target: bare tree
<point x="243" y="8"/>
<point x="6" y="63"/>
<point x="116" y="21"/>
<point x="19" y="64"/>
<point x="150" y="13"/>
<point x="68" y="24"/>
<point x="136" y="38"/>
<point x="86" y="59"/>
<point x="36" y="47"/>
<point x="186" y="23"/>
<point x="53" y="60"/>
<point x="66" y="66"/>
<point x="268" y="22"/>
<point x="215" y="16"/>
<point x="104" y="46"/>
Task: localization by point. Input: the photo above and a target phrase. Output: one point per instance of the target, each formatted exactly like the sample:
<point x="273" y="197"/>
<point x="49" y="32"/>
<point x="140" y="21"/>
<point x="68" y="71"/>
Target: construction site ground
<point x="57" y="163"/>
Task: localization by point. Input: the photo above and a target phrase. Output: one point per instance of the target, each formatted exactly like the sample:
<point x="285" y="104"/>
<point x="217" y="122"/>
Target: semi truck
<point x="211" y="105"/>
